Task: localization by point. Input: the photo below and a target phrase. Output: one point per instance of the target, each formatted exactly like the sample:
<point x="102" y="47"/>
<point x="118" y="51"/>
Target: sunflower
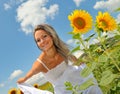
<point x="12" y="91"/>
<point x="19" y="92"/>
<point x="105" y="21"/>
<point x="81" y="21"/>
<point x="36" y="85"/>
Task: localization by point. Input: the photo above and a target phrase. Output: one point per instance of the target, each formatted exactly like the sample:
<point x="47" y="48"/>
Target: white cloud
<point x="110" y="5"/>
<point x="38" y="78"/>
<point x="70" y="41"/>
<point x="15" y="74"/>
<point x="11" y="3"/>
<point x="77" y="2"/>
<point x="7" y="6"/>
<point x="33" y="12"/>
<point x="2" y="85"/>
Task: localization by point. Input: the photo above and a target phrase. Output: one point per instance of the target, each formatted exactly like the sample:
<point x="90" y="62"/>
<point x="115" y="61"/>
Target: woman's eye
<point x="38" y="40"/>
<point x="44" y="36"/>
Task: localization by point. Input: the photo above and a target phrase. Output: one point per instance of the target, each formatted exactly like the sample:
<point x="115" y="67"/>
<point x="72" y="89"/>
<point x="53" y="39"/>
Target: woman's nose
<point x="42" y="41"/>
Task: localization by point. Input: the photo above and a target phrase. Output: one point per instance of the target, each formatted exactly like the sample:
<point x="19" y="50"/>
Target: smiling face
<point x="43" y="40"/>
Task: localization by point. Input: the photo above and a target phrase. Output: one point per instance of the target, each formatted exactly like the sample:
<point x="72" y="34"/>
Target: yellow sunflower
<point x="36" y="85"/>
<point x="12" y="91"/>
<point x="19" y="91"/>
<point x="105" y="21"/>
<point x="81" y="21"/>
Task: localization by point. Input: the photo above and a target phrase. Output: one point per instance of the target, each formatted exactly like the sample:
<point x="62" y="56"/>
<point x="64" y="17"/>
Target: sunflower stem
<point x="81" y="41"/>
<point x="86" y="49"/>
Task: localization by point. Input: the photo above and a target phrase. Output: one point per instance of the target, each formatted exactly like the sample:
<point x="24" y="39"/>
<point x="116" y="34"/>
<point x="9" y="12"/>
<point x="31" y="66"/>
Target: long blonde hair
<point x="61" y="47"/>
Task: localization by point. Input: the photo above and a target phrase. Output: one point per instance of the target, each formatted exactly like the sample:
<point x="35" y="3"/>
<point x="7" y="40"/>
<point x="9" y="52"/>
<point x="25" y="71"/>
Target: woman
<point x="54" y="61"/>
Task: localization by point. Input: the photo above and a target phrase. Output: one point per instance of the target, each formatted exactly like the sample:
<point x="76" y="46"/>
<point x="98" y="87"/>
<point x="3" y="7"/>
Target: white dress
<point x="59" y="75"/>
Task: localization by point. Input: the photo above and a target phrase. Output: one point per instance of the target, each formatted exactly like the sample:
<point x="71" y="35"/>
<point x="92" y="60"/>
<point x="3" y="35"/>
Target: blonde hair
<point x="61" y="47"/>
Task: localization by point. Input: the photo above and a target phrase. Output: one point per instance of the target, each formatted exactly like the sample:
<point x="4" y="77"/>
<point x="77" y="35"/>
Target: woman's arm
<point x="36" y="68"/>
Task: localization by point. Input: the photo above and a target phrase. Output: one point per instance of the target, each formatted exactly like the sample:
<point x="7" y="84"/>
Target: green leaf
<point x="75" y="49"/>
<point x="117" y="37"/>
<point x="70" y="33"/>
<point x="118" y="27"/>
<point x="102" y="58"/>
<point x="87" y="39"/>
<point x="118" y="9"/>
<point x="76" y="36"/>
<point x="94" y="64"/>
<point x="118" y="84"/>
<point x="86" y="84"/>
<point x="107" y="78"/>
<point x="68" y="85"/>
<point x="85" y="72"/>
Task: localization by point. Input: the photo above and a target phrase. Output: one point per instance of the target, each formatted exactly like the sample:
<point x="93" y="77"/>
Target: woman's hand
<point x="21" y="80"/>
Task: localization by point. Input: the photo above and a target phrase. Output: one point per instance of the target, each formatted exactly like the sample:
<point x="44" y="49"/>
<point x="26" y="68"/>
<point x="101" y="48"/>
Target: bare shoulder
<point x="38" y="65"/>
<point x="41" y="60"/>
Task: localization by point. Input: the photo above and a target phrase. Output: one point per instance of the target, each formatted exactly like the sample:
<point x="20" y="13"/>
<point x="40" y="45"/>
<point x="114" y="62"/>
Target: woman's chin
<point x="45" y="49"/>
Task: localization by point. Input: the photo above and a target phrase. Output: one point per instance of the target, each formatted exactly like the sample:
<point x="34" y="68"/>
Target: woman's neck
<point x="51" y="53"/>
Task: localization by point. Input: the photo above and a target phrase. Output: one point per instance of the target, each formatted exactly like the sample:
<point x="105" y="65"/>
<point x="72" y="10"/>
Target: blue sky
<point x="17" y="19"/>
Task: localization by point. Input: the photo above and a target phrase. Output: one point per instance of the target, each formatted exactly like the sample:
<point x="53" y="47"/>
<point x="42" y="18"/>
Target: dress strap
<point x="42" y="64"/>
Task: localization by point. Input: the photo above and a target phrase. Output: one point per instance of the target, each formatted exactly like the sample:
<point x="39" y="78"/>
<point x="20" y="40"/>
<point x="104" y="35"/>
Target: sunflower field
<point x="102" y="57"/>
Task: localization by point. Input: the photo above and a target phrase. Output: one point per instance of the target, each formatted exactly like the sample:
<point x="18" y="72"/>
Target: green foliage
<point x="86" y="72"/>
<point x="71" y="88"/>
<point x="86" y="84"/>
<point x="75" y="49"/>
<point x="107" y="77"/>
<point x="118" y="9"/>
<point x="103" y="60"/>
<point x="77" y="89"/>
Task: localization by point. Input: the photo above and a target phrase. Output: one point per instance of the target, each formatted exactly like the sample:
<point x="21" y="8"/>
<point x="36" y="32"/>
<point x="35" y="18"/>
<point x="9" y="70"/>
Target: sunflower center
<point x="79" y="22"/>
<point x="36" y="86"/>
<point x="21" y="92"/>
<point x="13" y="92"/>
<point x="103" y="23"/>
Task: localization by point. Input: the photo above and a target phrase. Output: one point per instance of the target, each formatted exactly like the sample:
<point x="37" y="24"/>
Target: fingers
<point x="21" y="80"/>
